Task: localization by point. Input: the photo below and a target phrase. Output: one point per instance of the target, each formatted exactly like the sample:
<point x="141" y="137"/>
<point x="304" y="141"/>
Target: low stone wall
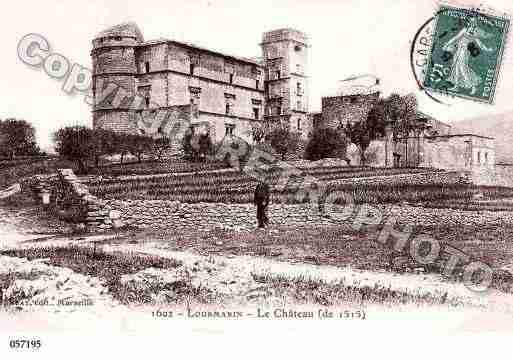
<point x="207" y="216"/>
<point x="420" y="216"/>
<point x="70" y="200"/>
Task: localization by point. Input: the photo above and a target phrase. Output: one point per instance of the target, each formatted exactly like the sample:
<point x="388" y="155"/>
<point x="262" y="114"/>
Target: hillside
<point x="498" y="126"/>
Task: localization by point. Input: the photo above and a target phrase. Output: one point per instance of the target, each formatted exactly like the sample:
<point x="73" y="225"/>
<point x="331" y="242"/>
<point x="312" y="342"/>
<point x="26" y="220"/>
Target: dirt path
<point x="15" y="234"/>
<point x="249" y="266"/>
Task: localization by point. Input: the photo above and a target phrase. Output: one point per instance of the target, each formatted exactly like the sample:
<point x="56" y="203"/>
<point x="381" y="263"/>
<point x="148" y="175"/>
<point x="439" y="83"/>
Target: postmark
<point x="466" y="53"/>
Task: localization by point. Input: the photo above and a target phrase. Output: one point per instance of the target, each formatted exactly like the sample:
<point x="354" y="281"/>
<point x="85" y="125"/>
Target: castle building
<point x="431" y="144"/>
<point x="229" y="93"/>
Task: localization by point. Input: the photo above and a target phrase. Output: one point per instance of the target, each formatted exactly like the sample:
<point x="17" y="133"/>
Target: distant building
<point x="230" y="93"/>
<point x="431" y="144"/>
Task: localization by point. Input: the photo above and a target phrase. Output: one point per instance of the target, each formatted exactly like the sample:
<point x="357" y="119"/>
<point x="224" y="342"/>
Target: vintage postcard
<point x="307" y="177"/>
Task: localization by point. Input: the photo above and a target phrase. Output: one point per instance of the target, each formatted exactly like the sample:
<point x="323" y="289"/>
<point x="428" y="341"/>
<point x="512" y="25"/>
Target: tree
<point x="324" y="143"/>
<point x="363" y="132"/>
<point x="187" y="148"/>
<point x="205" y="146"/>
<point x="121" y="142"/>
<point x="397" y="112"/>
<point x="401" y="113"/>
<point x="17" y="138"/>
<point x="258" y="132"/>
<point x="283" y="140"/>
<point x="103" y="143"/>
<point x="140" y="145"/>
<point x="197" y="147"/>
<point x="408" y="121"/>
<point x="160" y="145"/>
<point x="76" y="144"/>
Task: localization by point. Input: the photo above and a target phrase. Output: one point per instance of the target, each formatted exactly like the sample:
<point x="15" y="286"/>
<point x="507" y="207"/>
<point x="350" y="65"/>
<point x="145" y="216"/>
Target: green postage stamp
<point x="466" y="53"/>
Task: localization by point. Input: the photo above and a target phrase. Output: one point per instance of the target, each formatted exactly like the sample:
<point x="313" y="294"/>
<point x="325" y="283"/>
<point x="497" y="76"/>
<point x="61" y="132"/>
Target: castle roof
<point x="130" y="29"/>
<point x="127" y="29"/>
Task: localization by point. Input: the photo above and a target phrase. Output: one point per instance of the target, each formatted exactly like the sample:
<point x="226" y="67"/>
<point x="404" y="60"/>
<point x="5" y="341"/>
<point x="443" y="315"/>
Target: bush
<point x="325" y="143"/>
<point x="283" y="140"/>
<point x="233" y="152"/>
<point x="197" y="147"/>
<point x="140" y="145"/>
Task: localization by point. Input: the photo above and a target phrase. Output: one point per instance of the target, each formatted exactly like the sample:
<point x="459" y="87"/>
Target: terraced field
<point x="237" y="187"/>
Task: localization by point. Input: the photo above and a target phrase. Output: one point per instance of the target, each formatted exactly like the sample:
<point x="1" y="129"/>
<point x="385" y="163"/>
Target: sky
<point x="347" y="38"/>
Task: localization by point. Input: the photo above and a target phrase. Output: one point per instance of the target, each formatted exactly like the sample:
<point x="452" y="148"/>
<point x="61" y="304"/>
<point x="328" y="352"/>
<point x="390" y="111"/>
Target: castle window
<point x="299" y="124"/>
<point x="147" y="66"/>
<point x="257" y="84"/>
<point x="486" y="157"/>
<point x="256" y="113"/>
<point x="299" y="89"/>
<point x="191" y="69"/>
<point x="299" y="106"/>
<point x="479" y="157"/>
<point x="277" y="74"/>
<point x="229" y="129"/>
<point x="117" y="38"/>
<point x="147" y="101"/>
<point x="231" y="78"/>
<point x="228" y="109"/>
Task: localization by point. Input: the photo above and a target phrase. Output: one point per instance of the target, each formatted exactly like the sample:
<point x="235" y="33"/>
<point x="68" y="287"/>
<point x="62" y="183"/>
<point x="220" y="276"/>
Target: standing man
<point x="261" y="200"/>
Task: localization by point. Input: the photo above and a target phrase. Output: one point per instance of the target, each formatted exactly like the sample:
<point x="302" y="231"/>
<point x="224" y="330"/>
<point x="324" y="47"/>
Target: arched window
<point x="299" y="124"/>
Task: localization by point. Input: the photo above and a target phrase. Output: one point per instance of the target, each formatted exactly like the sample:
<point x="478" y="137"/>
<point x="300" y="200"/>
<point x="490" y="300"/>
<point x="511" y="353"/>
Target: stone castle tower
<point x="114" y="62"/>
<point x="285" y="54"/>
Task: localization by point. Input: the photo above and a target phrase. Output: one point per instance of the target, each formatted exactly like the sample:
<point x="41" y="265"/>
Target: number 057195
<point x="25" y="343"/>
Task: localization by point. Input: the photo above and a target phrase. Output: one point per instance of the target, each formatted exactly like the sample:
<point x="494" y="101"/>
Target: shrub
<point x="233" y="152"/>
<point x="197" y="147"/>
<point x="140" y="145"/>
<point x="324" y="143"/>
<point x="160" y="145"/>
<point x="283" y="140"/>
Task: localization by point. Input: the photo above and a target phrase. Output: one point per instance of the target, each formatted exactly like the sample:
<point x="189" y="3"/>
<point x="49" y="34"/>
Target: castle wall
<point x="344" y="109"/>
<point x="155" y="85"/>
<point x="111" y="120"/>
<point x="469" y="153"/>
<point x="114" y="60"/>
<point x="225" y="90"/>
